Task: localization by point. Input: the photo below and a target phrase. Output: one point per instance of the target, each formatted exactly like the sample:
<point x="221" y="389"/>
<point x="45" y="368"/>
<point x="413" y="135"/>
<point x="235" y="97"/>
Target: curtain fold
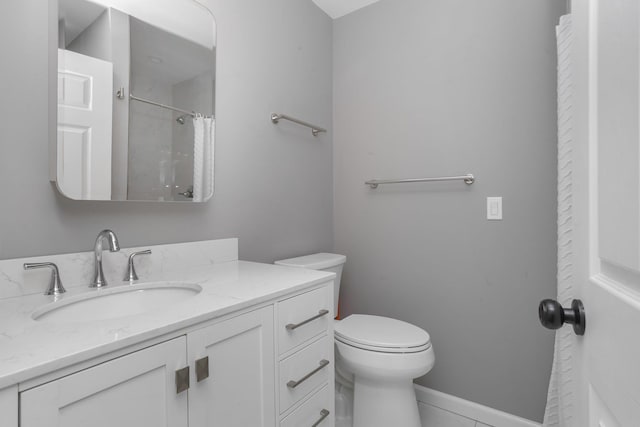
<point x="560" y="398"/>
<point x="203" y="155"/>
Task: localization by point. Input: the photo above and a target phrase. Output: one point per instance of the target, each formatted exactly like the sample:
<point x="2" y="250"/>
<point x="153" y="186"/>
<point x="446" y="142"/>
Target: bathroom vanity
<point x="201" y="339"/>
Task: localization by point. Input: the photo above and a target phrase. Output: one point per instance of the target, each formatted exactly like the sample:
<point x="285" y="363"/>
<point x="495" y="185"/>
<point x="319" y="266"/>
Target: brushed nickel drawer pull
<point x="202" y="369"/>
<point x="292" y="326"/>
<point x="294" y="384"/>
<point x="323" y="414"/>
<point x="182" y="380"/>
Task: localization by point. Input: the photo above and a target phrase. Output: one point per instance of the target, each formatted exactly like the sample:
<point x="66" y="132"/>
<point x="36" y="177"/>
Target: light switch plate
<point x="494" y="208"/>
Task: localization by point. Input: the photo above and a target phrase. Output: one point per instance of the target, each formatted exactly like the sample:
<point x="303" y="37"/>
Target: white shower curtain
<point x="203" y="151"/>
<point x="560" y="407"/>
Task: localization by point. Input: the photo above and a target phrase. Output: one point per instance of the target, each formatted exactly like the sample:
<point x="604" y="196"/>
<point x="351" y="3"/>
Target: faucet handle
<point x="131" y="275"/>
<point x="55" y="284"/>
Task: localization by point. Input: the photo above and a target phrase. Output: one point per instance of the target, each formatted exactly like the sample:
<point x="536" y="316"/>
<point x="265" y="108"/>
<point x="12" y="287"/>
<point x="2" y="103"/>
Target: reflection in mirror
<point x="136" y="82"/>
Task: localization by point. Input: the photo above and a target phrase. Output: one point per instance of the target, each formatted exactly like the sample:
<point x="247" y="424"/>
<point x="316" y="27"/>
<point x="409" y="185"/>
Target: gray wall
<point x="273" y="184"/>
<point x="444" y="87"/>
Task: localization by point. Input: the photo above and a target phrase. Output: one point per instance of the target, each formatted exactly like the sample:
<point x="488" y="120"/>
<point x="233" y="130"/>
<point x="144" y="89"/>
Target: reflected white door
<point x="607" y="210"/>
<point x="85" y="90"/>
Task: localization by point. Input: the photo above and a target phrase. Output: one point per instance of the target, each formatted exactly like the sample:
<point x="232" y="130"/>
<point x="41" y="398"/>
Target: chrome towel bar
<point x="276" y="117"/>
<point x="468" y="179"/>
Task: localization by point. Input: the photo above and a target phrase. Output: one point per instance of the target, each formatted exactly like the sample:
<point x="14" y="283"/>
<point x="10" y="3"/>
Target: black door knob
<point x="552" y="315"/>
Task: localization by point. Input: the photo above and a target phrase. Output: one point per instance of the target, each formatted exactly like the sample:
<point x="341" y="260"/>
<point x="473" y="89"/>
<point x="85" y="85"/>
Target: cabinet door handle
<point x="294" y="384"/>
<point x="182" y="380"/>
<point x="202" y="369"/>
<point x="323" y="414"/>
<point x="293" y="326"/>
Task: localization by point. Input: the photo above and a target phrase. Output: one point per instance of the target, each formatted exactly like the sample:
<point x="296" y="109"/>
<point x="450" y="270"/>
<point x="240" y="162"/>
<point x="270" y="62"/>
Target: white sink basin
<point x="111" y="303"/>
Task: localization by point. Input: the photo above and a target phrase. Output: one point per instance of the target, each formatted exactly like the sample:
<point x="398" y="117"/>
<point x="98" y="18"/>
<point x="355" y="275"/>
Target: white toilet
<point x="376" y="356"/>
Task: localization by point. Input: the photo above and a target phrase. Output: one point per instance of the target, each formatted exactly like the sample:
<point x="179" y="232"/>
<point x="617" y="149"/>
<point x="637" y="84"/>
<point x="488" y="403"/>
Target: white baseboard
<point x="474" y="411"/>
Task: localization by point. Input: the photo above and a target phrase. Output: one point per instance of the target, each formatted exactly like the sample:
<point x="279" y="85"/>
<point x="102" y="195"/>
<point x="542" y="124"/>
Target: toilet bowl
<point x="377" y="359"/>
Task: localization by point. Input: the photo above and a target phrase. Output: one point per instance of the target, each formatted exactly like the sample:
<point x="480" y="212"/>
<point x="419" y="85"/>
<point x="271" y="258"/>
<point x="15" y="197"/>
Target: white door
<point x="607" y="210"/>
<point x="238" y="390"/>
<point x="136" y="390"/>
<point x="85" y="91"/>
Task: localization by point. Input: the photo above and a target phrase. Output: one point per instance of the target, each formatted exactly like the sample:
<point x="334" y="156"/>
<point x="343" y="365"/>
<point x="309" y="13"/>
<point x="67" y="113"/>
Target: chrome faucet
<point x="98" y="276"/>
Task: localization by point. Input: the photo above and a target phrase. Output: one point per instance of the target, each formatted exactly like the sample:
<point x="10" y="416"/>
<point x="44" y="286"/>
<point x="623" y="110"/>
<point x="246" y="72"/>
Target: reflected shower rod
<point x="168" y="107"/>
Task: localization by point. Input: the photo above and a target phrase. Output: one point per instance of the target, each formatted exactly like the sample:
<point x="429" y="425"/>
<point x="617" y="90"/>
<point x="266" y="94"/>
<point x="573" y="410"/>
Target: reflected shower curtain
<point x="560" y="407"/>
<point x="203" y="152"/>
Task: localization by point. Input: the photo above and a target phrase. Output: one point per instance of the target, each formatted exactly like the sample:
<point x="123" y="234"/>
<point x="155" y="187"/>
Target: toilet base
<point x="384" y="405"/>
<point x="383" y="390"/>
<point x="345" y="407"/>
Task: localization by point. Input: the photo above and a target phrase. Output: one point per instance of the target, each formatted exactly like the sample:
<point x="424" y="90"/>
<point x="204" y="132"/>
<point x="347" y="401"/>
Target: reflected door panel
<point x="84" y="126"/>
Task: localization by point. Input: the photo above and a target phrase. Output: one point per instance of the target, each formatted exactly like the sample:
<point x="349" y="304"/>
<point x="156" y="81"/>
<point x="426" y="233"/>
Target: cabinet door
<point x="137" y="390"/>
<point x="239" y="390"/>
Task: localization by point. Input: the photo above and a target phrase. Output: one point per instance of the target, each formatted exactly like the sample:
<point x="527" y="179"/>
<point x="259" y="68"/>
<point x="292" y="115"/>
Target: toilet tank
<point x="321" y="261"/>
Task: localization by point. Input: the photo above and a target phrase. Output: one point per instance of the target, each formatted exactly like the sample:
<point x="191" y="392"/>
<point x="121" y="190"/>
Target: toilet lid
<point x="381" y="334"/>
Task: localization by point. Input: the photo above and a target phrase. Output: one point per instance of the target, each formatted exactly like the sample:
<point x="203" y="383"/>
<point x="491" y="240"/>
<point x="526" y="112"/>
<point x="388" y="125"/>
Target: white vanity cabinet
<point x="232" y="372"/>
<point x="222" y="374"/>
<point x="223" y="356"/>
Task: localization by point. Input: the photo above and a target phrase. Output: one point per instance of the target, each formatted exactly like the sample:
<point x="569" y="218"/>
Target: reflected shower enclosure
<point x="178" y="74"/>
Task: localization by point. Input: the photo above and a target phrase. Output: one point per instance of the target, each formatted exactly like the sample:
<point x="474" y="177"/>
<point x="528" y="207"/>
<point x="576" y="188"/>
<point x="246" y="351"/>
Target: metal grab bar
<point x="468" y="179"/>
<point x="276" y="117"/>
<point x="294" y="384"/>
<point x="292" y="327"/>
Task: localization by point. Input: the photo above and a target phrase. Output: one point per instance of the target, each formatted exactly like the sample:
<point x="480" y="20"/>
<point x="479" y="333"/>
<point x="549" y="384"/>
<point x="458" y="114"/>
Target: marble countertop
<point x="30" y="348"/>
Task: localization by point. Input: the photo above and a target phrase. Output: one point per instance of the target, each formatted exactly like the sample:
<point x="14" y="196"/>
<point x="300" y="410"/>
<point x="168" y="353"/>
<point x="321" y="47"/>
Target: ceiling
<point x="185" y="18"/>
<point x="170" y="59"/>
<point x="338" y="8"/>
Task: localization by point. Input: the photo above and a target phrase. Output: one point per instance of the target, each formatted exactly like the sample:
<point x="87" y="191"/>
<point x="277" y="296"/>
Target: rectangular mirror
<point x="136" y="91"/>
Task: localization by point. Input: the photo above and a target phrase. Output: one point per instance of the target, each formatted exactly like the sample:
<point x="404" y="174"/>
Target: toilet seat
<point x="381" y="334"/>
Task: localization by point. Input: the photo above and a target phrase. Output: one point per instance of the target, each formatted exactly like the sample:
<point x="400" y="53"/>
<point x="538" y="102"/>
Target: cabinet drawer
<point x="304" y="371"/>
<point x="313" y="412"/>
<point x="302" y="317"/>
